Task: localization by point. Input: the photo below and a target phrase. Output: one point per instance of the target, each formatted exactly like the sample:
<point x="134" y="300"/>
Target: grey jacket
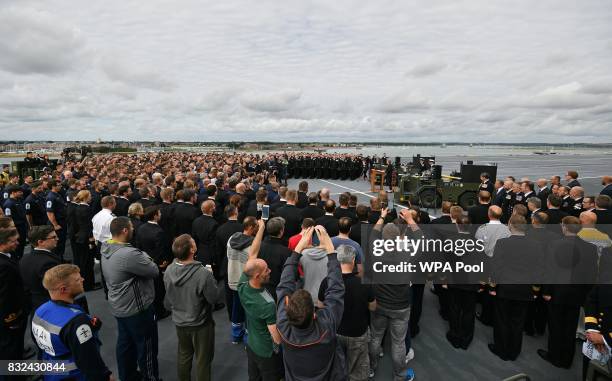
<point x="190" y="292"/>
<point x="238" y="247"/>
<point x="314" y="263"/>
<point x="128" y="273"/>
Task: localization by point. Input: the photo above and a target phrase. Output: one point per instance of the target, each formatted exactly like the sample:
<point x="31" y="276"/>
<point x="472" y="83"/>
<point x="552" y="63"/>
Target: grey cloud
<point x="403" y="102"/>
<point x="271" y="101"/>
<point x="603" y="86"/>
<point x="426" y="69"/>
<point x="131" y="74"/>
<point x="35" y="42"/>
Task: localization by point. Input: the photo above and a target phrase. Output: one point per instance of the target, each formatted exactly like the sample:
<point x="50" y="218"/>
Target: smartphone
<point x="390" y="203"/>
<point x="265" y="212"/>
<point x="259" y="211"/>
<point x="315" y="239"/>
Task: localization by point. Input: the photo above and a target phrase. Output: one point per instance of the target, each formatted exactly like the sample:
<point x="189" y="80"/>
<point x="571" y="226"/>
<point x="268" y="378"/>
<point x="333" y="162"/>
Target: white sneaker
<point x="409" y="355"/>
<point x="381" y="354"/>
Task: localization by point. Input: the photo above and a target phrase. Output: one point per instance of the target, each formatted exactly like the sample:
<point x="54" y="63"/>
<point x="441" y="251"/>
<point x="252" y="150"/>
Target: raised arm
<point x="334" y="295"/>
<point x="256" y="245"/>
<point x="289" y="276"/>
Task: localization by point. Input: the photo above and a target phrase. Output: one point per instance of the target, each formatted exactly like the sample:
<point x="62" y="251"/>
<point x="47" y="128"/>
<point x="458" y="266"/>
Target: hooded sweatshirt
<point x="314" y="264"/>
<point x="237" y="255"/>
<point x="128" y="273"/>
<point x="190" y="291"/>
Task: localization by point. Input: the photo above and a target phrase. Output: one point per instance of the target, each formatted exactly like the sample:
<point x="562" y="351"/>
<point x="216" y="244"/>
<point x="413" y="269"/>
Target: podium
<point x="377" y="179"/>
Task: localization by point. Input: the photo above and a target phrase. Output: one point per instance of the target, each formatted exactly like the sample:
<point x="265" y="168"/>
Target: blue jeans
<point x="137" y="346"/>
<point x="238" y="318"/>
<point x="397" y="323"/>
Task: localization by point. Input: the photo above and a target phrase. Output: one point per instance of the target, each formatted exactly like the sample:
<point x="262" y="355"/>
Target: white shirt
<point x="101" y="225"/>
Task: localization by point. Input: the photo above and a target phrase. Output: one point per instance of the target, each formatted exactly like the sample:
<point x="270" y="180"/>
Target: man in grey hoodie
<point x="240" y="247"/>
<point x="129" y="274"/>
<point x="314" y="265"/>
<point x="191" y="292"/>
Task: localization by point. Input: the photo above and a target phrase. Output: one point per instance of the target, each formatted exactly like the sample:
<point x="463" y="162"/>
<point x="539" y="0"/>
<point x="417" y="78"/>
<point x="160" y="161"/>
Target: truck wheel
<point x="429" y="198"/>
<point x="467" y="200"/>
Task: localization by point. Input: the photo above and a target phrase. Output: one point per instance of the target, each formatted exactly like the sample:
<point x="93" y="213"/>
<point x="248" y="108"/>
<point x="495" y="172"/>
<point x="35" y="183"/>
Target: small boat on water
<point x="551" y="151"/>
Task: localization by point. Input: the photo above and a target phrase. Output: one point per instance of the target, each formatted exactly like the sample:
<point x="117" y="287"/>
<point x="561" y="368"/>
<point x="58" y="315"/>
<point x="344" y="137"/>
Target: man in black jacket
<point x="185" y="212"/>
<point x="572" y="265"/>
<point x="122" y="200"/>
<point x="501" y="188"/>
<point x="13" y="313"/>
<point x="542" y="191"/>
<point x="222" y="235"/>
<point x="328" y="221"/>
<point x="312" y="210"/>
<point x="291" y="214"/>
<point x="555" y="214"/>
<point x="479" y="214"/>
<point x="167" y="211"/>
<point x="34" y="265"/>
<point x="203" y="232"/>
<point x="302" y="195"/>
<point x="603" y="210"/>
<point x="513" y="272"/>
<point x="153" y="240"/>
<point x="274" y="251"/>
<point x="343" y="210"/>
<point x="486" y="184"/>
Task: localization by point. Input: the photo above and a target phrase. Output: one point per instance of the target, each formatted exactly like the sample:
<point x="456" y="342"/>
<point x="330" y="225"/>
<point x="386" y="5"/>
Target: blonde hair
<point x="82" y="196"/>
<point x="57" y="275"/>
<point x="135" y="209"/>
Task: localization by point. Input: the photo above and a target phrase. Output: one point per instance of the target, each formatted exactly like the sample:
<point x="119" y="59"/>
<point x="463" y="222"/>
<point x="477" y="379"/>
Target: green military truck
<point x="429" y="188"/>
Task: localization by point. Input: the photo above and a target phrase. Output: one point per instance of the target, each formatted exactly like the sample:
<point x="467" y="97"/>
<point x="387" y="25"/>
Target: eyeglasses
<point x="52" y="237"/>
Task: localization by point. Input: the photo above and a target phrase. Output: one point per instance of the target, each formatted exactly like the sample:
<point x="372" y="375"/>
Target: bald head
<point x="588" y="219"/>
<point x="258" y="272"/>
<point x="324" y="194"/>
<point x="576" y="192"/>
<point x="495" y="212"/>
<point x="240" y="188"/>
<point x="541" y="183"/>
<point x="254" y="266"/>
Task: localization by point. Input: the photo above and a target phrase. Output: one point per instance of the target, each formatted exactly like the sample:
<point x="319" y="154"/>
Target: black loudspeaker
<point x="398" y="161"/>
<point x="436" y="172"/>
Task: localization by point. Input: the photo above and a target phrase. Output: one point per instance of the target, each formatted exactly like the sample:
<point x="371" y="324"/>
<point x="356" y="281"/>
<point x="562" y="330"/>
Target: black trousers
<point x="160" y="293"/>
<point x="462" y="313"/>
<point x="487" y="313"/>
<point x="416" y="308"/>
<point x="11" y="346"/>
<point x="442" y="299"/>
<point x="508" y="327"/>
<point x="61" y="242"/>
<point x="562" y="323"/>
<point x="83" y="257"/>
<point x="536" y="317"/>
<point x="264" y="368"/>
<point x="23" y="234"/>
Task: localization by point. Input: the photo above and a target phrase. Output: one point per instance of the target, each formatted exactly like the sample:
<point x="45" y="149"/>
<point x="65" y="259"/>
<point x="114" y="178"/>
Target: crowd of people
<point x="184" y="235"/>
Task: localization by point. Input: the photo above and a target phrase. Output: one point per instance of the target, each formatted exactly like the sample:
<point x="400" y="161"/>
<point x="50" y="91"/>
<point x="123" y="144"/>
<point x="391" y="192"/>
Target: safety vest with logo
<point x="47" y="324"/>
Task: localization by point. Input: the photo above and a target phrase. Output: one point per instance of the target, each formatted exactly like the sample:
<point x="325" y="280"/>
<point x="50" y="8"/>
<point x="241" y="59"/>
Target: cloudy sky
<point x="445" y="70"/>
